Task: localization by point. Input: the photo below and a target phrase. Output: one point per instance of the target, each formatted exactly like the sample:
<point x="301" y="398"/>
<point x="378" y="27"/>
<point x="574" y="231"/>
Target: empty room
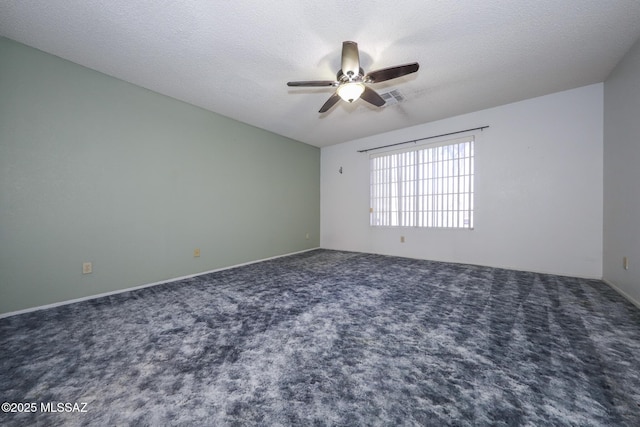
<point x="320" y="213"/>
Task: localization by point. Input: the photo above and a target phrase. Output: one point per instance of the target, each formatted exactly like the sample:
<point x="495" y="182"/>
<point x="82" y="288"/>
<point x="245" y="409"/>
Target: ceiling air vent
<point x="392" y="97"/>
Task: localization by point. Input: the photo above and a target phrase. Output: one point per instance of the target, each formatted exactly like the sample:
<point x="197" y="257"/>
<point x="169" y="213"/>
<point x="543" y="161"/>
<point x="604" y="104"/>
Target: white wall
<point x="622" y="175"/>
<point x="538" y="189"/>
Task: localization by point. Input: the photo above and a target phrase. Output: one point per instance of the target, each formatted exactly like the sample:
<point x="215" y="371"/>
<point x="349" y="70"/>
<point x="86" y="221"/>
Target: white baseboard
<point x="119" y="291"/>
<point x="623" y="293"/>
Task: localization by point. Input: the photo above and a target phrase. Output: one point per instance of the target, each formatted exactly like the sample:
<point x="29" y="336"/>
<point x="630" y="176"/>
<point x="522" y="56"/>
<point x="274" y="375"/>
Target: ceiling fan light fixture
<point x="351" y="81"/>
<point x="350" y="91"/>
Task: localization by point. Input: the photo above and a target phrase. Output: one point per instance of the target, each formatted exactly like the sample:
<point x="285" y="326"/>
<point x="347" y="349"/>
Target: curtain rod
<point x="422" y="139"/>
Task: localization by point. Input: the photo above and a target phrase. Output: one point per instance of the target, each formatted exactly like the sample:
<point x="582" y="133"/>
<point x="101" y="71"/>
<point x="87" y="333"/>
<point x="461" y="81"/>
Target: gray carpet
<point x="333" y="338"/>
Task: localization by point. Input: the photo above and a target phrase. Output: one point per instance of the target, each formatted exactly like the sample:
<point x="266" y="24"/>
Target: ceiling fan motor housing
<point x="350" y="77"/>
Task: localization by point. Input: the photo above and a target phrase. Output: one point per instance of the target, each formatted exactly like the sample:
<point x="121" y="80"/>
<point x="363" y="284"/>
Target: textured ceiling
<point x="235" y="57"/>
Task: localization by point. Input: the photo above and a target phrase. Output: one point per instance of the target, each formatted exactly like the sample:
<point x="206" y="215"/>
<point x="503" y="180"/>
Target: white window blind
<point x="426" y="186"/>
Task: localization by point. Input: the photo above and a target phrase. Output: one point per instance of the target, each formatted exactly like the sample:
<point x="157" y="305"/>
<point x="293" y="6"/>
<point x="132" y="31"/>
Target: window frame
<point x="447" y="204"/>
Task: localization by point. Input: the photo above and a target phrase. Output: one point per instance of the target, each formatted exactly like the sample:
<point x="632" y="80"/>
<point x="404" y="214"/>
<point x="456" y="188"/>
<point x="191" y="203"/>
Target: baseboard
<point x="500" y="266"/>
<point x="119" y="291"/>
<point x="623" y="293"/>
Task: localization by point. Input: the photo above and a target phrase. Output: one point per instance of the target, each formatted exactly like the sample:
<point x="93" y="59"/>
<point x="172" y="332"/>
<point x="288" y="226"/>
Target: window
<point x="426" y="186"/>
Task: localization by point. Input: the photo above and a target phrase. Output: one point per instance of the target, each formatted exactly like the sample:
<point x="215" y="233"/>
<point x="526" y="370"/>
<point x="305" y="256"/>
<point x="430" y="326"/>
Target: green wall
<point x="96" y="169"/>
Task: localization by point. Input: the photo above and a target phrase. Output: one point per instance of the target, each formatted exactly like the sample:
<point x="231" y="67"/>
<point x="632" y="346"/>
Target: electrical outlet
<point x="87" y="268"/>
<point x="196" y="252"/>
<point x="307" y="236"/>
<point x="401" y="239"/>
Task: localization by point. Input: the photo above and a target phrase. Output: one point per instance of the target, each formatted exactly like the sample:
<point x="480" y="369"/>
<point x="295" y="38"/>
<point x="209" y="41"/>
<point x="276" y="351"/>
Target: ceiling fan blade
<point x="391" y="72"/>
<point x="313" y="83"/>
<point x="372" y="97"/>
<point x="350" y="59"/>
<point x="330" y="103"/>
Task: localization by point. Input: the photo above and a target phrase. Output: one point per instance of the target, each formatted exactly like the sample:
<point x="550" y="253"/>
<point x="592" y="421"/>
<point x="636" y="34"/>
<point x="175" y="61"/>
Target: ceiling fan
<point x="351" y="81"/>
